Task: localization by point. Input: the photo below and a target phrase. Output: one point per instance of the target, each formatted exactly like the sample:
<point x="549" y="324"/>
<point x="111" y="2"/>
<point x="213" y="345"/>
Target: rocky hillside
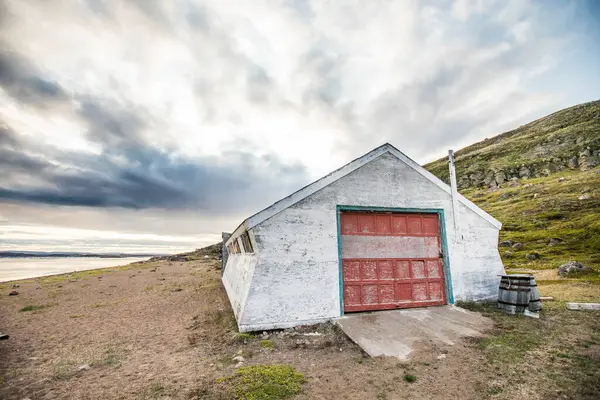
<point x="542" y="181"/>
<point x="566" y="140"/>
<point x="212" y="251"/>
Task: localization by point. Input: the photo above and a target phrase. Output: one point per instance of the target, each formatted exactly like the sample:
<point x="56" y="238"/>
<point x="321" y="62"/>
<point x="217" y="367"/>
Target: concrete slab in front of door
<point x="396" y="332"/>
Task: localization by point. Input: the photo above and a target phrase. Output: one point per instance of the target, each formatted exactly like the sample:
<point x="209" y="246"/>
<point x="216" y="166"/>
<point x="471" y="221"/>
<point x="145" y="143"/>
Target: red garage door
<point x="391" y="260"/>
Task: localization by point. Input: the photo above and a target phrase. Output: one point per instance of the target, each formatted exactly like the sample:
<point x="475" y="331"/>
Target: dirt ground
<point x="166" y="331"/>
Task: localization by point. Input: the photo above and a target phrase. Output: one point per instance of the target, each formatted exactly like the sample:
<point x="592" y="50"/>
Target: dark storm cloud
<point x="111" y="124"/>
<point x="139" y="176"/>
<point x="24" y="82"/>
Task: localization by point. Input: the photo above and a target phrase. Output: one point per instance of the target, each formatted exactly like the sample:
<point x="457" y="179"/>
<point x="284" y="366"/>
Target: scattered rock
<point x="441" y="356"/>
<point x="13" y="293"/>
<point x="524" y="172"/>
<point x="239" y="359"/>
<point x="518" y="246"/>
<point x="584" y="196"/>
<point x="508" y="254"/>
<point x="506" y="243"/>
<point x="554" y="241"/>
<point x="3" y="336"/>
<point x="535" y="195"/>
<point x="303" y="342"/>
<point x="153" y="270"/>
<point x="16" y="285"/>
<point x="206" y="257"/>
<point x="561" y="179"/>
<point x="176" y="289"/>
<point x="572" y="267"/>
<point x="239" y="364"/>
<point x="514" y="182"/>
<point x="573" y="163"/>
<point x="83" y="367"/>
<point x="533" y="256"/>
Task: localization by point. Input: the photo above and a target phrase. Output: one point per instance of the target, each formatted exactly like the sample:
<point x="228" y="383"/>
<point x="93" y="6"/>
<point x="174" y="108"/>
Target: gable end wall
<point x="296" y="276"/>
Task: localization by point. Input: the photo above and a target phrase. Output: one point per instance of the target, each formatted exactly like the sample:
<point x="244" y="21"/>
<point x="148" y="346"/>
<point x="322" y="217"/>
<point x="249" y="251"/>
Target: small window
<point x="236" y="246"/>
<point x="247" y="243"/>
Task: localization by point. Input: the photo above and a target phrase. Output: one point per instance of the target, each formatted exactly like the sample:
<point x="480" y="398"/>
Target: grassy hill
<point x="542" y="181"/>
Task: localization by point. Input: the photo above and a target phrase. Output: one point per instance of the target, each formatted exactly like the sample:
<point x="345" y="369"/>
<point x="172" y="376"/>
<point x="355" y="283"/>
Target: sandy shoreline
<point x="15" y="269"/>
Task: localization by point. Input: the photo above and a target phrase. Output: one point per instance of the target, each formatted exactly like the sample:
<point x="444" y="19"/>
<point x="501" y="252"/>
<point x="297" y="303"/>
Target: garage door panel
<point x="435" y="291"/>
<point x="351" y="270"/>
<point x="370" y="294"/>
<point x="386" y="269"/>
<point x="383" y="224"/>
<point x="433" y="269"/>
<point x="387" y="294"/>
<point x="352" y="295"/>
<point x="366" y="224"/>
<point x="404" y="292"/>
<point x="403" y="269"/>
<point x="399" y="226"/>
<point x="419" y="292"/>
<point x="349" y="223"/>
<point x="368" y="270"/>
<point x="361" y="246"/>
<point x="414" y="225"/>
<point x="391" y="261"/>
<point x="418" y="269"/>
<point x="430" y="226"/>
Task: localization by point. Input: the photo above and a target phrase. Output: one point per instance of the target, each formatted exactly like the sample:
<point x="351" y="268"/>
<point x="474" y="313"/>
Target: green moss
<point x="34" y="308"/>
<point x="243" y="337"/>
<point x="410" y="378"/>
<point x="267" y="344"/>
<point x="554" y="224"/>
<point x="264" y="382"/>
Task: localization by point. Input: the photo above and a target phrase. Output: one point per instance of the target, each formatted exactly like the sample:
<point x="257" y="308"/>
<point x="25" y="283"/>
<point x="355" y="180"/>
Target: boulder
<point x="500" y="177"/>
<point x="585" y="196"/>
<point x="13" y="293"/>
<point x="508" y="254"/>
<point x="533" y="256"/>
<point x="573" y="163"/>
<point x="554" y="241"/>
<point x="518" y="246"/>
<point x="572" y="267"/>
<point x="524" y="172"/>
<point x="506" y="243"/>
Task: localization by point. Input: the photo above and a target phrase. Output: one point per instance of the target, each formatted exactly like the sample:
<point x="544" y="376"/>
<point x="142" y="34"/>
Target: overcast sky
<point x="155" y="125"/>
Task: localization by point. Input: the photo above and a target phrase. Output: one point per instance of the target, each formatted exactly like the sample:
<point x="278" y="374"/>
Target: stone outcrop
<point x="572" y="267"/>
<point x="585" y="159"/>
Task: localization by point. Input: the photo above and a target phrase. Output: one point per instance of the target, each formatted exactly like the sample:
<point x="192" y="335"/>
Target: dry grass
<point x="160" y="344"/>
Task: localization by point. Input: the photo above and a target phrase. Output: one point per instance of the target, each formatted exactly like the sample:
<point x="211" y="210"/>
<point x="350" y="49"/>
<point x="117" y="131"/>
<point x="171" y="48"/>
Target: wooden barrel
<point x="535" y="303"/>
<point x="514" y="293"/>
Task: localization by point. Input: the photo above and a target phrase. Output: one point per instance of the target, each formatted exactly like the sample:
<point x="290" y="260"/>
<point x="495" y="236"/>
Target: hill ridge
<point x="568" y="139"/>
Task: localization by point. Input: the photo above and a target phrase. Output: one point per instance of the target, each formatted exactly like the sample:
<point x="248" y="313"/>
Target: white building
<point x="376" y="234"/>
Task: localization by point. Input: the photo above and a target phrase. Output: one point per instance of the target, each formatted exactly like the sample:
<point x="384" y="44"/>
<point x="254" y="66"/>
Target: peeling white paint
<point x="293" y="277"/>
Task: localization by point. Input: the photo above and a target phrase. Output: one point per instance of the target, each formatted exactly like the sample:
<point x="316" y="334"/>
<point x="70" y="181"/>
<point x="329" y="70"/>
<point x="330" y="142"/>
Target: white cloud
<point x="315" y="83"/>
